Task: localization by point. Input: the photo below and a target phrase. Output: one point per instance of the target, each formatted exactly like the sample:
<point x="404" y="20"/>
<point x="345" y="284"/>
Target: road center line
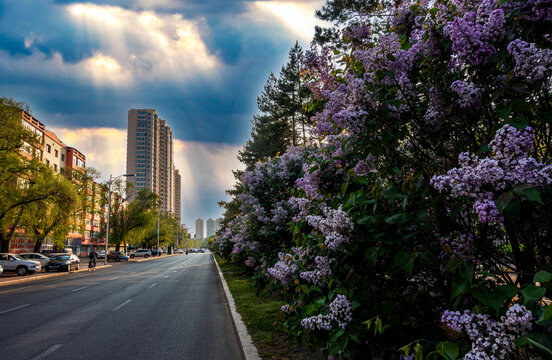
<point x="166" y="276"/>
<point x="123" y="304"/>
<point x="113" y="279"/>
<point x="84" y="287"/>
<point x="152" y="285"/>
<point x="15" y="308"/>
<point x="47" y="352"/>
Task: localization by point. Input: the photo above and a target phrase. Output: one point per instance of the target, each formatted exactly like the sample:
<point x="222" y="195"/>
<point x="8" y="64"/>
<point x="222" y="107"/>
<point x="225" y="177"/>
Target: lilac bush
<point x="425" y="189"/>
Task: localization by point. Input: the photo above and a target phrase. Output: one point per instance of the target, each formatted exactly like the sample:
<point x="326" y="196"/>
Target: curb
<point x="248" y="348"/>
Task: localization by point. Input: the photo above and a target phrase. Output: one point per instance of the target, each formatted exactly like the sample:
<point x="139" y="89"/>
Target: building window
<point x="55" y="167"/>
<point x="47" y="162"/>
<point x="48" y="148"/>
<point x="62" y="157"/>
<point x="56" y="153"/>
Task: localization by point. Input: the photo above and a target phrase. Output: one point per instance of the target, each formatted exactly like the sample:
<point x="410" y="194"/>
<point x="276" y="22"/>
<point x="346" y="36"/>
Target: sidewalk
<point x="10" y="278"/>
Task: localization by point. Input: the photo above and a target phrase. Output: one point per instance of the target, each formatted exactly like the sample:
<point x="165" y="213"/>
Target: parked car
<point x="63" y="262"/>
<point x="43" y="259"/>
<point x="101" y="254"/>
<point x="117" y="256"/>
<point x="1" y="269"/>
<point x="156" y="252"/>
<point x="12" y="262"/>
<point x="141" y="253"/>
<point x="180" y="251"/>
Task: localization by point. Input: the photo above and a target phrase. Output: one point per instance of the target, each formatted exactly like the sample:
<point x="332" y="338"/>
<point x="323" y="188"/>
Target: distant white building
<point x="210" y="227"/>
<point x="199" y="228"/>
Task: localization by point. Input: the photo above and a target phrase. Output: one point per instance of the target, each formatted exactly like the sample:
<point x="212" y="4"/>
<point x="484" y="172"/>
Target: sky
<point x="81" y="66"/>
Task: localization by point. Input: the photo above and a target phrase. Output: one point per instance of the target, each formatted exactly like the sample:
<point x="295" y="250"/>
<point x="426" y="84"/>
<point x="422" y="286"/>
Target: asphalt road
<point x="166" y="308"/>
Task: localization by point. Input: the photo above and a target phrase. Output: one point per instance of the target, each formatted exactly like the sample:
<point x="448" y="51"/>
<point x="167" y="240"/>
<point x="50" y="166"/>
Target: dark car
<point x="117" y="256"/>
<point x="63" y="262"/>
<point x="156" y="252"/>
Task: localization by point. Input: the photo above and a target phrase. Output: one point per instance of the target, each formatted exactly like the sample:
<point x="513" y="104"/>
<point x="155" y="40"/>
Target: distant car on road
<point x="156" y="252"/>
<point x="180" y="251"/>
<point x="101" y="254"/>
<point x="1" y="269"/>
<point x="63" y="262"/>
<point x="12" y="262"/>
<point x="43" y="259"/>
<point x="141" y="253"/>
<point x="117" y="256"/>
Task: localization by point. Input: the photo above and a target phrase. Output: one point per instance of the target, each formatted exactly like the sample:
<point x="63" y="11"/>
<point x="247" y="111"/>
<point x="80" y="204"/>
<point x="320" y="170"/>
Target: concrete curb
<point x="248" y="348"/>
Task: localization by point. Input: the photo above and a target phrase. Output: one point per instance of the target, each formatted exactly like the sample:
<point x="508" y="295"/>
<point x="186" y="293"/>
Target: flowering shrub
<point x="426" y="191"/>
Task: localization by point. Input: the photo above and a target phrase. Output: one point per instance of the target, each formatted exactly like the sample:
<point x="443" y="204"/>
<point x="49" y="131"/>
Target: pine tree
<point x="282" y="122"/>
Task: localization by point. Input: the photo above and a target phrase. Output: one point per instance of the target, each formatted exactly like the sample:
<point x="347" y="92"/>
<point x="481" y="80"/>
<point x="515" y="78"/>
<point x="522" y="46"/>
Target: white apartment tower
<point x="199" y="228"/>
<point x="210" y="225"/>
<point x="150" y="156"/>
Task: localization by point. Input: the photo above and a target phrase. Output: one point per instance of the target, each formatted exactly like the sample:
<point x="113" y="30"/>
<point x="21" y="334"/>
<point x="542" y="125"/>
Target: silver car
<point x="42" y="259"/>
<point x="13" y="262"/>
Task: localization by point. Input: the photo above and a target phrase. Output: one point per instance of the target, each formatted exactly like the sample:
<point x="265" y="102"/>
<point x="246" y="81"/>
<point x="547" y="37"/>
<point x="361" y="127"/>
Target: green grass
<point x="262" y="317"/>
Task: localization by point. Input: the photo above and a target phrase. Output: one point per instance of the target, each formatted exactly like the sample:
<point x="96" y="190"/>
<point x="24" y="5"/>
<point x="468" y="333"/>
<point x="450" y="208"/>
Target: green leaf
<point x="531" y="293"/>
<point x="542" y="277"/>
<point x="495" y="298"/>
<point x="367" y="220"/>
<point x="504" y="111"/>
<point x="512" y="210"/>
<point x="519" y="123"/>
<point x="433" y="11"/>
<point x="450" y="349"/>
<point x="547" y="313"/>
<point x="503" y="200"/>
<point x="531" y="195"/>
<point x="462" y="281"/>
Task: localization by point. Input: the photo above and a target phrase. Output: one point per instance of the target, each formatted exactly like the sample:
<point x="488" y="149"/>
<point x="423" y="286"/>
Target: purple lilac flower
<point x="340" y="312"/>
<point x="286" y="308"/>
<point x="470" y="95"/>
<point x="532" y="63"/>
<point x="458" y="246"/>
<point x="284" y="270"/>
<point x="335" y="225"/>
<point x="320" y="274"/>
<point x="473" y="35"/>
<point x="490" y="339"/>
<point x="509" y="166"/>
<point x="364" y="167"/>
<point x="249" y="262"/>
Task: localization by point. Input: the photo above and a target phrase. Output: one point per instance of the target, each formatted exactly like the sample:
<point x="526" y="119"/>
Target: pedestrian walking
<point x="92" y="260"/>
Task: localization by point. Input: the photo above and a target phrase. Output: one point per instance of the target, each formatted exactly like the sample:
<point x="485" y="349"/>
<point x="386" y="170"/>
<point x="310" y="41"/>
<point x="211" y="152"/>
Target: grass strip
<point x="262" y="317"/>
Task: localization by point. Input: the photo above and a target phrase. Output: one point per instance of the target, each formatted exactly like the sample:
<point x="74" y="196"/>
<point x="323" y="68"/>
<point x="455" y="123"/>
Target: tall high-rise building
<point x="177" y="194"/>
<point x="150" y="156"/>
<point x="210" y="224"/>
<point x="199" y="228"/>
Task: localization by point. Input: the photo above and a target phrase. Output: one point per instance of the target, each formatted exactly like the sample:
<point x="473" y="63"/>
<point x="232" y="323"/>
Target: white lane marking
<point x="84" y="287"/>
<point x="123" y="304"/>
<point x="152" y="285"/>
<point x="166" y="276"/>
<point x="47" y="352"/>
<point x="15" y="308"/>
<point x="174" y="271"/>
<point x="113" y="279"/>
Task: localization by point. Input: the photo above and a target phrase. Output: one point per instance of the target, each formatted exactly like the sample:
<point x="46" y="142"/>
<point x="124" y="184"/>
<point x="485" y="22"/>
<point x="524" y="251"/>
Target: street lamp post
<point x="158" y="213"/>
<point x="111" y="179"/>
